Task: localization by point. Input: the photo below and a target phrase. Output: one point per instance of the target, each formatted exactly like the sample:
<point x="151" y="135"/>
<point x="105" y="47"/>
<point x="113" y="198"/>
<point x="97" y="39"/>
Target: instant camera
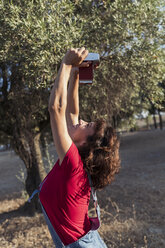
<point x="86" y="73"/>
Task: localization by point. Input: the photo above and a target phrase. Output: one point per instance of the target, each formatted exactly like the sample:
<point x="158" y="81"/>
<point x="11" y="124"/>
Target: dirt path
<point x="10" y="167"/>
<point x="133" y="207"/>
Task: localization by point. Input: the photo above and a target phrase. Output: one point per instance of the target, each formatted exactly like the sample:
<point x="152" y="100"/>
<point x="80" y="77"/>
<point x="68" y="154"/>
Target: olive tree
<point x="34" y="36"/>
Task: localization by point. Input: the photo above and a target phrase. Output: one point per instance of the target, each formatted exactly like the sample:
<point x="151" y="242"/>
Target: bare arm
<point x="58" y="101"/>
<point x="72" y="111"/>
<point x="57" y="108"/>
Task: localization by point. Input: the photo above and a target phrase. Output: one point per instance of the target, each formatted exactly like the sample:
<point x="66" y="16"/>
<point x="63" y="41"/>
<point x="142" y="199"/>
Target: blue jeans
<point x="91" y="240"/>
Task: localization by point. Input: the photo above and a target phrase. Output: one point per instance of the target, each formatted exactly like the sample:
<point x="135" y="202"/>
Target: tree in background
<point x="130" y="36"/>
<point x="34" y="35"/>
<point x="154" y="107"/>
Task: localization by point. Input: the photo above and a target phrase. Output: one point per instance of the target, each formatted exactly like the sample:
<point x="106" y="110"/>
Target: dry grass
<point x="26" y="232"/>
<point x="132" y="208"/>
<point x="118" y="229"/>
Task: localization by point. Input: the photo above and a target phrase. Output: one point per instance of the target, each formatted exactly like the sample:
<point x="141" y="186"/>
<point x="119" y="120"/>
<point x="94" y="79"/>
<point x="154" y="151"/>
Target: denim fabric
<point x="91" y="240"/>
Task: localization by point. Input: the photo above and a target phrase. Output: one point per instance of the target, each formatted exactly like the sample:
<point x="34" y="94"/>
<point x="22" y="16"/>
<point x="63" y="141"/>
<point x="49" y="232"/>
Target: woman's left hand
<point x="75" y="69"/>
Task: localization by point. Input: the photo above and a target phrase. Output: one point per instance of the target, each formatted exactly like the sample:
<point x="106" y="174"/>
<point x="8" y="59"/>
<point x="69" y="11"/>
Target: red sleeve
<point x="72" y="160"/>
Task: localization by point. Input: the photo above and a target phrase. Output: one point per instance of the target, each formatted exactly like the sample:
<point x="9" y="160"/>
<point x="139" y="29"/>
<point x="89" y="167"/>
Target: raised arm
<point x="58" y="101"/>
<point x="72" y="111"/>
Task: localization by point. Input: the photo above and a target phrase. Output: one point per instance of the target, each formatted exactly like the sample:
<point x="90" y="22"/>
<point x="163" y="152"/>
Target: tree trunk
<point x="38" y="153"/>
<point x="160" y="120"/>
<point x="147" y="122"/>
<point x="154" y="120"/>
<point x="27" y="147"/>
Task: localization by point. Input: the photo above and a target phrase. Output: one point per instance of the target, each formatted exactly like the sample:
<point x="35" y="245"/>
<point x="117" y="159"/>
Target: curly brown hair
<point x="100" y="155"/>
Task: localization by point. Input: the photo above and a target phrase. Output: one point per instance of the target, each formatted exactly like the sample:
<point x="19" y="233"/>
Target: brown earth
<point x="132" y="207"/>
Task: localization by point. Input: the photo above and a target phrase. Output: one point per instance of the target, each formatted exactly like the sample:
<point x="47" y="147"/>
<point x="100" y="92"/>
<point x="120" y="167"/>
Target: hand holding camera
<point x="75" y="57"/>
<point x="86" y="68"/>
<point x="75" y="69"/>
<point x="86" y="73"/>
<point x="86" y="62"/>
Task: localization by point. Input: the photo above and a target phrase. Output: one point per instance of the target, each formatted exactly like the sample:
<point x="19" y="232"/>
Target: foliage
<point x="35" y="34"/>
<point x="129" y="35"/>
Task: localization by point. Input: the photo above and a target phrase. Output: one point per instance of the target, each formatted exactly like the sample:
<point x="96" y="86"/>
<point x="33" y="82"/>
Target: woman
<point x="84" y="149"/>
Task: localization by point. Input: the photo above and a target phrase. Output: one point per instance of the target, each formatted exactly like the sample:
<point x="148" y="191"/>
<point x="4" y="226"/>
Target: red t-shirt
<point x="65" y="196"/>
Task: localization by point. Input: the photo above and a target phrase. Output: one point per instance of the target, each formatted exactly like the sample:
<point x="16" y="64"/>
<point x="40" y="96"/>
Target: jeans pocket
<point x="87" y="241"/>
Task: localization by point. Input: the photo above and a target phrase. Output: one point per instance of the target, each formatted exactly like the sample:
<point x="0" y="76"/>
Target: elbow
<point x="52" y="108"/>
<point x="57" y="107"/>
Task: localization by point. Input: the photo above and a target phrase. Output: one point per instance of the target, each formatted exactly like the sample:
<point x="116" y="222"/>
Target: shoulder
<point x="72" y="158"/>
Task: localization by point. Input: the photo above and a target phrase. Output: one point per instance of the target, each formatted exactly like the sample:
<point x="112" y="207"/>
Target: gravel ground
<point x="132" y="207"/>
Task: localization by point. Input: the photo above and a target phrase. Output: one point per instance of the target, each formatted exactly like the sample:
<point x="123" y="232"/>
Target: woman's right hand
<point x="75" y="57"/>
